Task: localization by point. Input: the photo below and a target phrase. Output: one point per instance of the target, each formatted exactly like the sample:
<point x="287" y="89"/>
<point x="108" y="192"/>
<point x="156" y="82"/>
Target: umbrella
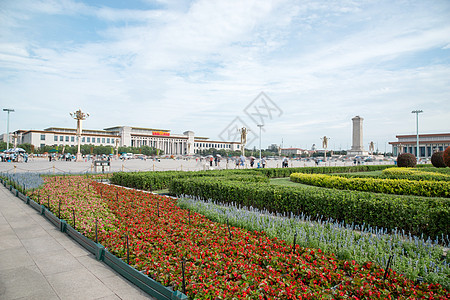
<point x="53" y="151"/>
<point x="252" y="157"/>
<point x="218" y="155"/>
<point x="15" y="150"/>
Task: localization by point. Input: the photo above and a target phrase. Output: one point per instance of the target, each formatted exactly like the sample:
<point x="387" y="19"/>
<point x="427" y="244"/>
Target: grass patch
<point x="286" y="181"/>
<point x="370" y="173"/>
<point x="162" y="192"/>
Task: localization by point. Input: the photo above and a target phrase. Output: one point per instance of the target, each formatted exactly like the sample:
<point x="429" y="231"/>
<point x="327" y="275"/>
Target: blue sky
<point x="199" y="65"/>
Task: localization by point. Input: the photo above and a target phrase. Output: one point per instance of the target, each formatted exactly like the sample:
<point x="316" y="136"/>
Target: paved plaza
<point x="41" y="165"/>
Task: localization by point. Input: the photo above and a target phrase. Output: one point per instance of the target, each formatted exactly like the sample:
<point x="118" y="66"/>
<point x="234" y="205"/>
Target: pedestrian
<point x="252" y="162"/>
<point x="242" y="158"/>
<point x="210" y="161"/>
<point x="285" y="162"/>
<point x="263" y="162"/>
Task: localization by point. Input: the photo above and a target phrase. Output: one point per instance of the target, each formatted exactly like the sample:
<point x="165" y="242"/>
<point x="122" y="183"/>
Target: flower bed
<point x="221" y="262"/>
<point x="74" y="197"/>
<point x="413" y="256"/>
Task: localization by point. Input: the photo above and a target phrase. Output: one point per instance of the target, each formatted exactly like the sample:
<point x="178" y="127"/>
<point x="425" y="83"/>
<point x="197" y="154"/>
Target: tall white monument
<point x="357" y="140"/>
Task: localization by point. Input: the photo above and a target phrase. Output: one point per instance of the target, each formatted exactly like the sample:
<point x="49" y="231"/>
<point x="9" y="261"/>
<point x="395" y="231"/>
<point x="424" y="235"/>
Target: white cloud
<point x="196" y="66"/>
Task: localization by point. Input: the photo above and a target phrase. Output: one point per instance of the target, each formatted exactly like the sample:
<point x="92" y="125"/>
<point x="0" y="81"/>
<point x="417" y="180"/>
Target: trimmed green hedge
<point x="152" y="181"/>
<point x="286" y="172"/>
<point x="424" y="188"/>
<point x="415" y="214"/>
<point x="415" y="174"/>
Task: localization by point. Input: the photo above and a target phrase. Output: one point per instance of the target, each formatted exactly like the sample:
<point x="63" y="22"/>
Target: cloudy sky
<point x="201" y="65"/>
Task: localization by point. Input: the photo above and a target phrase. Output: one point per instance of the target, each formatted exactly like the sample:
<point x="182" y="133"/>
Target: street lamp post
<point x="79" y="116"/>
<point x="260" y="127"/>
<point x="417" y="112"/>
<point x="7" y="125"/>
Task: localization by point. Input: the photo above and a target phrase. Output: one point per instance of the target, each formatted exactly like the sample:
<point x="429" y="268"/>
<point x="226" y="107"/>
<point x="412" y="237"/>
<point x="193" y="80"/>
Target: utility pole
<point x="260" y="126"/>
<point x="417" y="112"/>
<point x="7" y="125"/>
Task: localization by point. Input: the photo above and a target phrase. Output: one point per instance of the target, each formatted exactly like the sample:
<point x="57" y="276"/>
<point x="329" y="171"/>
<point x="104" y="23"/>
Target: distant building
<point x="428" y="144"/>
<point x="163" y="139"/>
<point x="294" y="151"/>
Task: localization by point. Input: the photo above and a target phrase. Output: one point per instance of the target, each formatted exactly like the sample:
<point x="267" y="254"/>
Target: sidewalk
<point x="37" y="261"/>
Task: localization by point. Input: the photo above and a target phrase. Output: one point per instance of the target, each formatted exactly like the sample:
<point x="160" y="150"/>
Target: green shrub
<point x="286" y="172"/>
<point x="436" y="170"/>
<point x="415" y="174"/>
<point x="437" y="159"/>
<point x="446" y="156"/>
<point x="406" y="160"/>
<point x="152" y="181"/>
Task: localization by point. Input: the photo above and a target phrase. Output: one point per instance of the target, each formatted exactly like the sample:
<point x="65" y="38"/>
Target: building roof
<point x="422" y="135"/>
<point x="116" y="128"/>
<point x="221" y="142"/>
<point x="293" y="149"/>
<point x="420" y="142"/>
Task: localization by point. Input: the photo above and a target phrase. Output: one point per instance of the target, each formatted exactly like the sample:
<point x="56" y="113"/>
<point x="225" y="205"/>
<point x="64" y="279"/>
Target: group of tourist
<point x="14" y="157"/>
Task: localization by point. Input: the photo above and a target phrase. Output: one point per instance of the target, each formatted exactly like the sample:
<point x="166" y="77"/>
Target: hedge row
<point x="415" y="174"/>
<point x="286" y="172"/>
<point x="415" y="214"/>
<point x="425" y="173"/>
<point x="435" y="170"/>
<point x="152" y="181"/>
<point x="424" y="188"/>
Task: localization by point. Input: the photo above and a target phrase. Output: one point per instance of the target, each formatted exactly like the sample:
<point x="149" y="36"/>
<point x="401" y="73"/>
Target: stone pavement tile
<point x="28" y="232"/>
<point x="14" y="258"/>
<point x="117" y="283"/>
<point x="57" y="234"/>
<point x="124" y="288"/>
<point x="112" y="297"/>
<point x="21" y="222"/>
<point x="25" y="283"/>
<point x="113" y="280"/>
<point x="99" y="269"/>
<point x="41" y="244"/>
<point x="42" y="221"/>
<point x="2" y="219"/>
<point x="56" y="262"/>
<point x="78" y="284"/>
<point x="73" y="247"/>
<point x="133" y="294"/>
<point x="12" y="209"/>
<point x="5" y="228"/>
<point x="9" y="240"/>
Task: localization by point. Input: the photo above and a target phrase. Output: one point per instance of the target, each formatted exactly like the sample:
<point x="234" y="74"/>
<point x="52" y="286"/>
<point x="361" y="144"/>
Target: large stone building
<point x="293" y="151"/>
<point x="172" y="144"/>
<point x="428" y="144"/>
